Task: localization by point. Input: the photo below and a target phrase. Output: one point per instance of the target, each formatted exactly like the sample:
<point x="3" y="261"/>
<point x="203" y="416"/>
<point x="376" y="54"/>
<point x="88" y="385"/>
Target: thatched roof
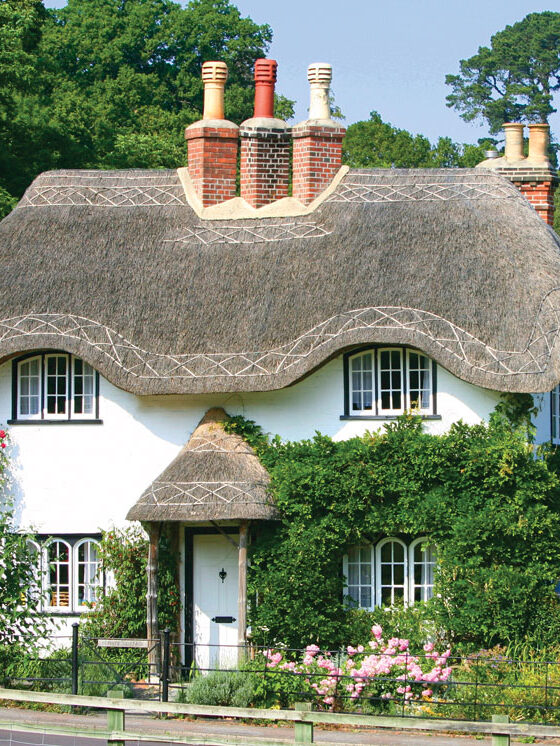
<point x="117" y="268"/>
<point x="216" y="476"/>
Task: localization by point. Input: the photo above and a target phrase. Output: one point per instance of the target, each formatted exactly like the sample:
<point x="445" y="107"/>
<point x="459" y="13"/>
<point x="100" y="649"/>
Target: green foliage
<point x="223" y="689"/>
<point x="113" y="84"/>
<point x="514" y="79"/>
<point x="7" y="203"/>
<point x="490" y="508"/>
<point x="377" y="144"/>
<point x="122" y="611"/>
<point x="20" y="627"/>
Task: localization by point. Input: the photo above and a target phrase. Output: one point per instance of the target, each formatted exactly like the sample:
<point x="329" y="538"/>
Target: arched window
<point x="55" y="386"/>
<point x="87" y="581"/>
<point x="422" y="563"/>
<point x="386" y="381"/>
<point x="57" y="574"/>
<point x="392" y="570"/>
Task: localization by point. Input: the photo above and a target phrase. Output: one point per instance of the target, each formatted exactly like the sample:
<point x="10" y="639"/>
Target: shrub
<point x="222" y="688"/>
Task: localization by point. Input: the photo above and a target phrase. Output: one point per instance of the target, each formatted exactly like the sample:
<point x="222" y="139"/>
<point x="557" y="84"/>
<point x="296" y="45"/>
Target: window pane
<point x="359" y="576"/>
<point x="88" y="573"/>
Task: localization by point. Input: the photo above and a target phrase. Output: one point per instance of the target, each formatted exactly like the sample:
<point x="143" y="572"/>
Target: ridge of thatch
<point x="216" y="476"/>
<point x="118" y="269"/>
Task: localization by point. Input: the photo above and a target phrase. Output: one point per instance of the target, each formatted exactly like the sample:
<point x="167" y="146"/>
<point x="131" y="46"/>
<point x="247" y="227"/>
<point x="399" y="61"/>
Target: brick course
<point x="265" y="164"/>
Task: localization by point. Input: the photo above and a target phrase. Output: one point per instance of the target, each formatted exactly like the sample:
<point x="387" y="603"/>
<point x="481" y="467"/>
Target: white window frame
<point x="555" y="415"/>
<point x="409" y="586"/>
<point x="430" y="408"/>
<point x="427" y="588"/>
<point x="46" y="577"/>
<point x="377" y="410"/>
<point x="359" y="585"/>
<point x="98" y="582"/>
<point x="69" y="395"/>
<point x="378" y="585"/>
<point x="390" y="410"/>
<point x="39" y="414"/>
<point x="67" y="401"/>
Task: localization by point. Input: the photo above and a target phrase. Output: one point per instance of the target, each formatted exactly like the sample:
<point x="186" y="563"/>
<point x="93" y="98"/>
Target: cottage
<point x="138" y="309"/>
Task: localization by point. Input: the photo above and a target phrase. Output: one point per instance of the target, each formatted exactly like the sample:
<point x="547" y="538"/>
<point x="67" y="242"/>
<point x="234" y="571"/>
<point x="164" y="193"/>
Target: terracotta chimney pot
<point x="265" y="78"/>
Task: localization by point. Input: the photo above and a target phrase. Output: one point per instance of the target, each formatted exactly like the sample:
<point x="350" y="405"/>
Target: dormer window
<point x="55" y="386"/>
<point x="386" y="381"/>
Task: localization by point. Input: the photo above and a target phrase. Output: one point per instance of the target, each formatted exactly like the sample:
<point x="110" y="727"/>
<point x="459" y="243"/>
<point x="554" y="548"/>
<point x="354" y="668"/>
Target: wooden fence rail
<point x="303" y="719"/>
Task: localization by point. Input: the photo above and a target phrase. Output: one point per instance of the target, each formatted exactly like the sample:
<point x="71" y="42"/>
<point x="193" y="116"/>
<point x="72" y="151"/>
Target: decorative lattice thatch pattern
<point x="141" y="363"/>
<point x="208" y="235"/>
<point x="354" y="189"/>
<point x="80" y="195"/>
<point x="191" y="494"/>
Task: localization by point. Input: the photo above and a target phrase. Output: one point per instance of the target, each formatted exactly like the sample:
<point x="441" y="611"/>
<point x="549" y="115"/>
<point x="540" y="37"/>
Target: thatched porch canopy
<point x="116" y="267"/>
<point x="216" y="476"/>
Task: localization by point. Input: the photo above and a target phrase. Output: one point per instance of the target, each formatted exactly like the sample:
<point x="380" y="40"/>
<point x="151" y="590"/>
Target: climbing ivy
<point x="489" y="506"/>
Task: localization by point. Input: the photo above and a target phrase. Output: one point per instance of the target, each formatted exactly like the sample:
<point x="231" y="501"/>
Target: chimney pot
<point x="514" y="141"/>
<point x="319" y="75"/>
<point x="538" y="143"/>
<point x="265" y="78"/>
<point x="214" y="76"/>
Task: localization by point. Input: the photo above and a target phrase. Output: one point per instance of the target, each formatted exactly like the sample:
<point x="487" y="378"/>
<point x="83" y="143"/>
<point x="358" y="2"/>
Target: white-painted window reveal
<point x="555" y="414"/>
<point x="389" y="573"/>
<point x="55" y="386"/>
<point x="390" y="380"/>
<point x="68" y="574"/>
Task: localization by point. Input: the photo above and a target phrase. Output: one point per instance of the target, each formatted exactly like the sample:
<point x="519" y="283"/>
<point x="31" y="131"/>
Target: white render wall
<point x="78" y="479"/>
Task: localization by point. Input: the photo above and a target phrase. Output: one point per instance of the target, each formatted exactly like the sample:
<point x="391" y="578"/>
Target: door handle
<point x="223" y="619"/>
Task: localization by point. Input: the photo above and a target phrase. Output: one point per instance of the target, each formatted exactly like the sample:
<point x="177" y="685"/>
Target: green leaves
<point x="478" y="493"/>
<point x="514" y="79"/>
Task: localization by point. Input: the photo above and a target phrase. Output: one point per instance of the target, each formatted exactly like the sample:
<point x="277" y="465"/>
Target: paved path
<point x="209" y="727"/>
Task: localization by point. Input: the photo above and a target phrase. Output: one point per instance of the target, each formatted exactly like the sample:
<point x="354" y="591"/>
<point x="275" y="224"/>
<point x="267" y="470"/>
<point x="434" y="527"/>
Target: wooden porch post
<point x="242" y="592"/>
<point x="154" y="532"/>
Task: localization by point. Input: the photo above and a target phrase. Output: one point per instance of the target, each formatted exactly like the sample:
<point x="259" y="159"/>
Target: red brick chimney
<point x="317" y="141"/>
<point x="533" y="175"/>
<point x="212" y="142"/>
<point x="265" y="144"/>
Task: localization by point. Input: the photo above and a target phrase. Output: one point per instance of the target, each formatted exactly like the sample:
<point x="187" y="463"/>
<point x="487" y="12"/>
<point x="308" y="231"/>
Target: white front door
<point x="215" y="581"/>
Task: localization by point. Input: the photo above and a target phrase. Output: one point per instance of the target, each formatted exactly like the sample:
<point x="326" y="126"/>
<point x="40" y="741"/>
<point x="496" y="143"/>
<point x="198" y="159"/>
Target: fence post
<point x="500" y="739"/>
<point x="115" y="718"/>
<point x="75" y="662"/>
<point x="165" y="667"/>
<point x="303" y="732"/>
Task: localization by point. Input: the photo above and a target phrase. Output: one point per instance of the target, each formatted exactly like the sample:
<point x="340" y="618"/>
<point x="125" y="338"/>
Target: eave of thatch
<point x="117" y="268"/>
<point x="216" y="476"/>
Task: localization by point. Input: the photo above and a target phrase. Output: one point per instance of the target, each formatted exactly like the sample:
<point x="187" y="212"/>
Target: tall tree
<point x="115" y="83"/>
<point x="377" y="144"/>
<point x="515" y="78"/>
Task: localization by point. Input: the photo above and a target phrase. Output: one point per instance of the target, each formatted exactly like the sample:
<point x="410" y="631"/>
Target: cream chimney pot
<point x="319" y="75"/>
<point x="214" y="76"/>
<point x="538" y="143"/>
<point x="514" y="141"/>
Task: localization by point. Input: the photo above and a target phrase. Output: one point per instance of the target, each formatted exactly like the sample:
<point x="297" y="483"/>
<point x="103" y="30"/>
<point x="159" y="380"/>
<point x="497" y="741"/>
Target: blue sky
<point x="391" y="57"/>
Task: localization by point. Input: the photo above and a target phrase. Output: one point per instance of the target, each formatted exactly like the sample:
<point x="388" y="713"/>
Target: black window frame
<point x="349" y="415"/>
<point x="42" y="420"/>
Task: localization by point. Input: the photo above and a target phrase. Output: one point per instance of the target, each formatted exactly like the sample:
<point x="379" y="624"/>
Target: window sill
<point x="55" y="422"/>
<point x="385" y="416"/>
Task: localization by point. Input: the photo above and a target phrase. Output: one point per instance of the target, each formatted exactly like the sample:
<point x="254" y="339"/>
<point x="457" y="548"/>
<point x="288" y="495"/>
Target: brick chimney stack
<point x="534" y="176"/>
<point x="212" y="142"/>
<point x="317" y="141"/>
<point x="265" y="144"/>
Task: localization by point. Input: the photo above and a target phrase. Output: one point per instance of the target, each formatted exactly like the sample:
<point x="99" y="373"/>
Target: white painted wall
<point x="81" y="478"/>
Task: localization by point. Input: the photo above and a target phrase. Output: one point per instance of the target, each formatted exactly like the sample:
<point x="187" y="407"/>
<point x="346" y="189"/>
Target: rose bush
<point x="381" y="670"/>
